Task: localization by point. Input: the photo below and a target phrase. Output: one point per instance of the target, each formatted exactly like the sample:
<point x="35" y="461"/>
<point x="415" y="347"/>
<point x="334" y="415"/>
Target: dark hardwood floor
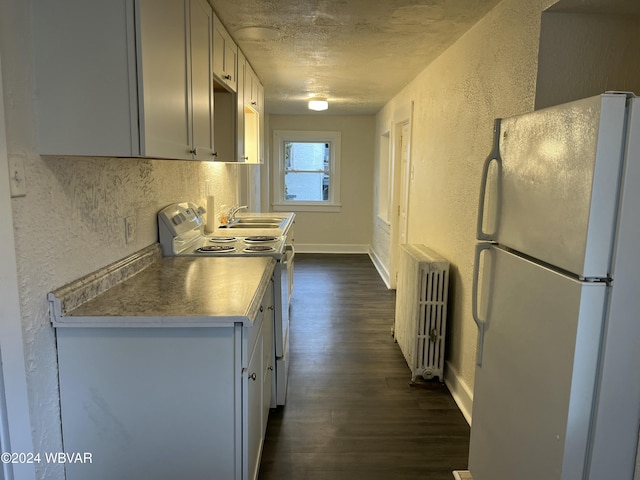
<point x="351" y="412"/>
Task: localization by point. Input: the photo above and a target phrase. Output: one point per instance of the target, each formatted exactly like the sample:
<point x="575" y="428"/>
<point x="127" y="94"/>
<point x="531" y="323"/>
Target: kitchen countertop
<point x="173" y="292"/>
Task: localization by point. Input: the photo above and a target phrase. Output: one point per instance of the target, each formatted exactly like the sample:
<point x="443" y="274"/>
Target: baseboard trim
<point x="459" y="391"/>
<point x="380" y="267"/>
<point x="331" y="248"/>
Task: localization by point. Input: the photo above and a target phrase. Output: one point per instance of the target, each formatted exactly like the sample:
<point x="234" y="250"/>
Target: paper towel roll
<point x="210" y="225"/>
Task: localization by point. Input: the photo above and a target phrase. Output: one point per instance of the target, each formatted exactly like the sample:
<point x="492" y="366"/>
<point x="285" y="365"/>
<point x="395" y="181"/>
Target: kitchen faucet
<point x="233" y="211"/>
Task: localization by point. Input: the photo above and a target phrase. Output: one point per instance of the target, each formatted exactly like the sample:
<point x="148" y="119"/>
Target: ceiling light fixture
<point x="318" y="104"/>
<point x="258" y="33"/>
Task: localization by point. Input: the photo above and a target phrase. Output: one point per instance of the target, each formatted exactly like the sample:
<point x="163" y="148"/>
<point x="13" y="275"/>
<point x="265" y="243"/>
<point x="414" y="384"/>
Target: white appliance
<point x="557" y="295"/>
<point x="181" y="233"/>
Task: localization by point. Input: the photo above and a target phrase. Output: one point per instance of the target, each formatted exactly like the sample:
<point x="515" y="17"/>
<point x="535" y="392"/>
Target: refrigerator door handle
<point x="494" y="156"/>
<point x="480" y="247"/>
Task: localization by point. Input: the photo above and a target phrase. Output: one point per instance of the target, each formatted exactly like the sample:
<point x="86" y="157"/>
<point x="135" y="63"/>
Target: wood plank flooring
<point x="351" y="412"/>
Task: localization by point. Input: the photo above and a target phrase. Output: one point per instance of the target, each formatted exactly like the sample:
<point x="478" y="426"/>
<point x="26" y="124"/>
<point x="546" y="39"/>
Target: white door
<point x="559" y="173"/>
<point x="534" y="387"/>
<point x="405" y="170"/>
<point x="400" y="209"/>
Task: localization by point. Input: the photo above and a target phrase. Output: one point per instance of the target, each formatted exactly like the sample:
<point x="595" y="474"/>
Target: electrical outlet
<point x="130" y="229"/>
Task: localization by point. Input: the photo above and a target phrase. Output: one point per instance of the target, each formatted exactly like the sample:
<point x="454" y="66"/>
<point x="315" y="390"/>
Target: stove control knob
<point x="179" y="218"/>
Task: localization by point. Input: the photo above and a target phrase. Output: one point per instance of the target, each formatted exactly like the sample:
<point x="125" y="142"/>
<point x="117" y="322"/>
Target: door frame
<point x="402" y="117"/>
<point x="15" y="422"/>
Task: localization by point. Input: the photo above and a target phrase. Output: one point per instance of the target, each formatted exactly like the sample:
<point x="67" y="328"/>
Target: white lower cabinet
<point x="166" y="403"/>
<point x="253" y="426"/>
<point x="259" y="379"/>
<point x="268" y="367"/>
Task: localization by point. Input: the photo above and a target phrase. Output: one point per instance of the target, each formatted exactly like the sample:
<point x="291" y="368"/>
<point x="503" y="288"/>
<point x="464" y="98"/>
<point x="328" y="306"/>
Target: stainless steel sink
<point x="255" y="222"/>
<point x="258" y="220"/>
<point x="251" y="225"/>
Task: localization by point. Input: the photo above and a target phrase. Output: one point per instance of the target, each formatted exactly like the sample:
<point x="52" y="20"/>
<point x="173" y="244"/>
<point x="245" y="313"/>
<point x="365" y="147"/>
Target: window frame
<point x="280" y="203"/>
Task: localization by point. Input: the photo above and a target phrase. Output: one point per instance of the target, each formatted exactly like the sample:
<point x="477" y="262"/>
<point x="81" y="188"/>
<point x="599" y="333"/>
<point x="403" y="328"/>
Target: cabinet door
<point x="251" y="87"/>
<point x="218" y="48"/>
<point x="240" y="134"/>
<point x="162" y="79"/>
<point x="86" y="96"/>
<point x="138" y="394"/>
<point x="251" y="135"/>
<point x="231" y="63"/>
<point x="225" y="53"/>
<point x="268" y="362"/>
<point x="252" y="117"/>
<point x="253" y="413"/>
<point x="201" y="67"/>
<point x="260" y="122"/>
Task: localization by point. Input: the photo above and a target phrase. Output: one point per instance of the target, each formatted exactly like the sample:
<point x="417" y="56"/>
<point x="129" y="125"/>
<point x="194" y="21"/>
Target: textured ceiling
<point x="357" y="53"/>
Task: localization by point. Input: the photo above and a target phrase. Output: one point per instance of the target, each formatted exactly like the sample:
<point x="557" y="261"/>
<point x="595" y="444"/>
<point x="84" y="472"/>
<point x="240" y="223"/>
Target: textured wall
<point x="490" y="72"/>
<point x="571" y="43"/>
<point x="71" y="222"/>
<point x="352" y="225"/>
<point x="495" y="70"/>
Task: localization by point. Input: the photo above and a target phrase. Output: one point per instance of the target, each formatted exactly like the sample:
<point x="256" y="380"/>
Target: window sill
<point x="307" y="207"/>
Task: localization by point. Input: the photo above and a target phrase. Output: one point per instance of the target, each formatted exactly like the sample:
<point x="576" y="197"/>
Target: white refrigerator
<point x="557" y="295"/>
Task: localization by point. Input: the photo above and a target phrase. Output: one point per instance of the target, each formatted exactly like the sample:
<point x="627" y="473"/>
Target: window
<point x="307" y="166"/>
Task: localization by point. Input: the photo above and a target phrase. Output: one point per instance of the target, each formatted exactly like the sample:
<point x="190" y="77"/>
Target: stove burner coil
<point x="259" y="249"/>
<point x="260" y="239"/>
<point x="222" y="239"/>
<point x="216" y="249"/>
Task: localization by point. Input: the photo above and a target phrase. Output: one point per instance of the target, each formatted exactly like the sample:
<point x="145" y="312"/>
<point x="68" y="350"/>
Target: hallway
<point x="350" y="412"/>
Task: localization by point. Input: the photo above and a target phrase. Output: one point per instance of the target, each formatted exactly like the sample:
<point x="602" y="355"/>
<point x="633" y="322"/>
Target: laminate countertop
<point x="176" y="292"/>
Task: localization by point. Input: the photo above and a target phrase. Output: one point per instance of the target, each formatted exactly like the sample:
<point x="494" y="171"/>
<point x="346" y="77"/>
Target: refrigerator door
<point x="617" y="411"/>
<point x="532" y="394"/>
<point x="559" y="170"/>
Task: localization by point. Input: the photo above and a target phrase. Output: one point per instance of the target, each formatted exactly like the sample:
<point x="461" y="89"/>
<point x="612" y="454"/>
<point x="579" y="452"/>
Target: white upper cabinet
<point x="162" y="92"/>
<point x="201" y="91"/>
<point x="253" y="117"/>
<point x="252" y="89"/>
<point x="225" y="54"/>
<point x="238" y="119"/>
<point x="119" y="81"/>
<point x="143" y="78"/>
<point x="240" y="149"/>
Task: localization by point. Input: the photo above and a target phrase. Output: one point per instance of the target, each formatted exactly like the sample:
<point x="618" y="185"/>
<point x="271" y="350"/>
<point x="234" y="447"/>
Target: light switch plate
<point x="17" y="179"/>
<point x="130" y="229"/>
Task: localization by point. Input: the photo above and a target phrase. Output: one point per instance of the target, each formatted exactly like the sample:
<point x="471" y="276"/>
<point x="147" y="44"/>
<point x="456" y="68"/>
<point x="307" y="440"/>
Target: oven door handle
<point x="289" y="248"/>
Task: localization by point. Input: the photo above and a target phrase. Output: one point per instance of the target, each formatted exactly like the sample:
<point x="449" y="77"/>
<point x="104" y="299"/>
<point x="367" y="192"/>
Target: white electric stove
<point x="181" y="232"/>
